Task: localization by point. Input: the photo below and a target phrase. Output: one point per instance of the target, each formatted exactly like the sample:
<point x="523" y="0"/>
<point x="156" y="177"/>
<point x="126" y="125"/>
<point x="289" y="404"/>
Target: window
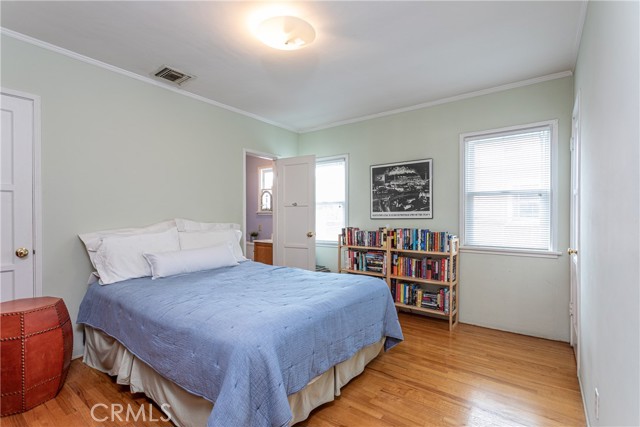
<point x="508" y="189"/>
<point x="331" y="198"/>
<point x="265" y="193"/>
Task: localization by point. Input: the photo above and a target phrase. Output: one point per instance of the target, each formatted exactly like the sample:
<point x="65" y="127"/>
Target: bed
<point x="241" y="345"/>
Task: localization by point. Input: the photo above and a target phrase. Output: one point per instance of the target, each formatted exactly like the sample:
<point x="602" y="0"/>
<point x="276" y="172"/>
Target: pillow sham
<point x="92" y="241"/>
<point x="166" y="264"/>
<point x="189" y="225"/>
<point x="120" y="257"/>
<point x="203" y="239"/>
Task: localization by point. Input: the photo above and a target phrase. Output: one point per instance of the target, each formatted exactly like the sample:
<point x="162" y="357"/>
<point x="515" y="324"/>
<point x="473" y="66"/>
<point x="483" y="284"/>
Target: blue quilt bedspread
<point x="245" y="337"/>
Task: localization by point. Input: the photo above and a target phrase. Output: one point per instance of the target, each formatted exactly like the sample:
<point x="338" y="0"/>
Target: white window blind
<point x="331" y="192"/>
<point x="507" y="189"/>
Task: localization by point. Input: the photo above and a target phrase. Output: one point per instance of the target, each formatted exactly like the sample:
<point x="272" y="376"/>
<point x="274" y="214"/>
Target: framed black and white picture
<point x="402" y="190"/>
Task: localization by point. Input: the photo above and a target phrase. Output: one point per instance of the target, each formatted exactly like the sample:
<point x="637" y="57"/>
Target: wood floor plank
<point x="472" y="376"/>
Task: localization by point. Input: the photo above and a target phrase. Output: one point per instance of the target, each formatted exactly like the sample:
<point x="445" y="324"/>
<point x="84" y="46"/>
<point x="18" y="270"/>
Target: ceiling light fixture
<point x="285" y="32"/>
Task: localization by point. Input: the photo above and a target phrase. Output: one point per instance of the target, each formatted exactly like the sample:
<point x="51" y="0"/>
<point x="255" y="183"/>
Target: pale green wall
<point x="607" y="75"/>
<point x="520" y="294"/>
<point x="117" y="152"/>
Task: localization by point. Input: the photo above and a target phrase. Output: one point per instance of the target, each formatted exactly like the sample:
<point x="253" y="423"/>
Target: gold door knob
<point x="572" y="251"/>
<point x="310" y="234"/>
<point x="22" y="252"/>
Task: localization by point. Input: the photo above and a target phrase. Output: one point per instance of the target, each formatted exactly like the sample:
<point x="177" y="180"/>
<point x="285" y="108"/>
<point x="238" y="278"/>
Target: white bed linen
<point x="107" y="355"/>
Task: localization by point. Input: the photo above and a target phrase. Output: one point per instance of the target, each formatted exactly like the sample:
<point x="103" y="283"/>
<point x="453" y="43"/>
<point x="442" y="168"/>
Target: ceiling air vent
<point x="172" y="75"/>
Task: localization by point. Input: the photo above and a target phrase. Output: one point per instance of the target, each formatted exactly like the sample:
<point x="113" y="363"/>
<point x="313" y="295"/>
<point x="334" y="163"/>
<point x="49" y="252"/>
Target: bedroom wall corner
<point x="118" y="152"/>
<point x="517" y="294"/>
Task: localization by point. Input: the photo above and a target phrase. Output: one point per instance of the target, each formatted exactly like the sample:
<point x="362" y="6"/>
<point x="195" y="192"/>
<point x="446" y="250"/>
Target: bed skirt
<point x="107" y="355"/>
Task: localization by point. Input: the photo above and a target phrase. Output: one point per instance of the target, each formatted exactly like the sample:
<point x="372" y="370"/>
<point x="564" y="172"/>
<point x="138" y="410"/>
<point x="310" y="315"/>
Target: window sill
<point x="264" y="213"/>
<point x="510" y="252"/>
<point x="326" y="244"/>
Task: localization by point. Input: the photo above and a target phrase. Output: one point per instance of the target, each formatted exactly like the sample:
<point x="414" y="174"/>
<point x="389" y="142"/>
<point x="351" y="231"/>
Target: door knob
<point x="310" y="234"/>
<point x="571" y="251"/>
<point x="22" y="252"/>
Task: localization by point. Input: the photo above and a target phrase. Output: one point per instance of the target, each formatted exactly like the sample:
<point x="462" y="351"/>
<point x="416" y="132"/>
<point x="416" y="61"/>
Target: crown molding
<point x="88" y="60"/>
<point x="95" y="62"/>
<point x="460" y="97"/>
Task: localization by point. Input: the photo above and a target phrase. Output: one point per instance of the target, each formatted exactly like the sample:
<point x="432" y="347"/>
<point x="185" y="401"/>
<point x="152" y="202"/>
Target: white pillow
<point x="203" y="239"/>
<point x="187" y="261"/>
<point x="120" y="257"/>
<point x="188" y="225"/>
<point x="92" y="241"/>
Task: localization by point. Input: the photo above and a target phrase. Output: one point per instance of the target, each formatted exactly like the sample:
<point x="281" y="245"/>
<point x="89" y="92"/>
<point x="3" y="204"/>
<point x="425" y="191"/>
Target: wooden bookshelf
<point x="363" y="251"/>
<point x="366" y="273"/>
<point x="419" y="280"/>
<point x="448" y="278"/>
<point x="425" y="310"/>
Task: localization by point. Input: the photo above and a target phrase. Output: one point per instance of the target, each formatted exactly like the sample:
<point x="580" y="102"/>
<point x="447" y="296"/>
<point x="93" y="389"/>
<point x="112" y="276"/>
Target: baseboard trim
<point x="584" y="403"/>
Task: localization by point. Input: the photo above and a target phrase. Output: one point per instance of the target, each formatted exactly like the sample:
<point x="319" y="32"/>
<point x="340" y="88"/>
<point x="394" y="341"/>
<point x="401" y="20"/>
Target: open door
<point x="294" y="241"/>
<point x="574" y="234"/>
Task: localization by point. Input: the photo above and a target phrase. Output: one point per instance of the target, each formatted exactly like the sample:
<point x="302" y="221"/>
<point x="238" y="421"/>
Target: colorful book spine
<point x="353" y="236"/>
<point x="421" y="268"/>
<point x="416" y="239"/>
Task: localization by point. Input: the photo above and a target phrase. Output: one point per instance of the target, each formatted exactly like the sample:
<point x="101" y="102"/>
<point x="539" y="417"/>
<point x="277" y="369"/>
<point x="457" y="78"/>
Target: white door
<point x="294" y="238"/>
<point x="574" y="235"/>
<point x="17" y="274"/>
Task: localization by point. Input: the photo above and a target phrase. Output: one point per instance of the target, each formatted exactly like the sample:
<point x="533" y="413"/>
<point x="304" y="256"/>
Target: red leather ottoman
<point x="36" y="341"/>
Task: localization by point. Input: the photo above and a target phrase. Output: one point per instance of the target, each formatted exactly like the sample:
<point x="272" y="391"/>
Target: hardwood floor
<point x="473" y="376"/>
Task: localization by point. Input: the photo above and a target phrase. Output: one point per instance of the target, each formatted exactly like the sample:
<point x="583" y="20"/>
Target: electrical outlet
<point x="259" y="227"/>
<point x="597" y="407"/>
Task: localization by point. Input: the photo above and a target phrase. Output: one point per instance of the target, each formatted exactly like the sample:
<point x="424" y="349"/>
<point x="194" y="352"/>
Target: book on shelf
<point x="374" y="261"/>
<point x="353" y="236"/>
<point x="416" y="239"/>
<point x="414" y="295"/>
<point x="429" y="268"/>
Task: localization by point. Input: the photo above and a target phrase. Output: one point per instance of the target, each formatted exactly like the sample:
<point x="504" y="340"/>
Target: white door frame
<point x="248" y="152"/>
<point x="574" y="234"/>
<point x="37" y="185"/>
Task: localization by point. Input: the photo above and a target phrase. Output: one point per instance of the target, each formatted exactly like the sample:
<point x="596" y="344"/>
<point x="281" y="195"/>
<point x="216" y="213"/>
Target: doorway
<point x="284" y="227"/>
<point x="258" y="202"/>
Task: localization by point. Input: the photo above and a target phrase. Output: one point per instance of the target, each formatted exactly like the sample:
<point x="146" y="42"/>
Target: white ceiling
<point x="369" y="58"/>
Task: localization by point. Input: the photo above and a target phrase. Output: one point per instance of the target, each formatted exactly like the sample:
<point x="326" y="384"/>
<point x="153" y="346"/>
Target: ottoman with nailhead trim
<point x="36" y="341"/>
